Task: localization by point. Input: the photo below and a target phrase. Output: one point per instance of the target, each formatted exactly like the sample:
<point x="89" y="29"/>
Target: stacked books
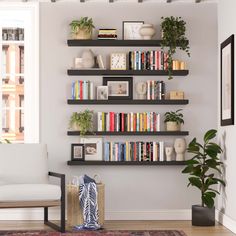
<point x="134" y="151"/>
<point x="107" y="34"/>
<point x="149" y="60"/>
<point x="82" y="90"/>
<point x="131" y="122"/>
<point x="155" y="90"/>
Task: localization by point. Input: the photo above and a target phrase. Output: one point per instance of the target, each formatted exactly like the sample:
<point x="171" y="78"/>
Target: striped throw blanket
<point x="88" y="201"/>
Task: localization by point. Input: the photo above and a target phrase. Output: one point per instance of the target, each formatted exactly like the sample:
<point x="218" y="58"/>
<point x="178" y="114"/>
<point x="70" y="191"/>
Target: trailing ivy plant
<point x="84" y="120"/>
<point x="174" y="116"/>
<point x="202" y="167"/>
<point x="173" y="36"/>
<point x="84" y="23"/>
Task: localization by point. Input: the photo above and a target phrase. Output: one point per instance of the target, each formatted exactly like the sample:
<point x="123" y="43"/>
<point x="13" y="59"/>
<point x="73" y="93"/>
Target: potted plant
<point x="82" y="121"/>
<point x="82" y="29"/>
<point x="202" y="169"/>
<point x="173" y="36"/>
<point x="173" y="120"/>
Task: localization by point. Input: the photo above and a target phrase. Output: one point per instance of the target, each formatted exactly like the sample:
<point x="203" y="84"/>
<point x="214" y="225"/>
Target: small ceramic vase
<point x="147" y="31"/>
<point x="169" y="151"/>
<point x="88" y="59"/>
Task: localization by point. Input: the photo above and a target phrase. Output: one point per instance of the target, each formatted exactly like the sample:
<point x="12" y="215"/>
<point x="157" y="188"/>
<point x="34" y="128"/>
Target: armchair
<point x="24" y="180"/>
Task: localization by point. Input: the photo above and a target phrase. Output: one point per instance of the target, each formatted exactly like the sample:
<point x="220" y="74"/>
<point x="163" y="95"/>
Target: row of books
<point x="134" y="151"/>
<point x="155" y="90"/>
<point x="82" y="90"/>
<point x="107" y="34"/>
<point x="131" y="122"/>
<point x="148" y="60"/>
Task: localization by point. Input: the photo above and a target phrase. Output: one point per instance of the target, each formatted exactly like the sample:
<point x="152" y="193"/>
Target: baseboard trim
<point x="225" y="220"/>
<point x="37" y="214"/>
<point x="179" y="214"/>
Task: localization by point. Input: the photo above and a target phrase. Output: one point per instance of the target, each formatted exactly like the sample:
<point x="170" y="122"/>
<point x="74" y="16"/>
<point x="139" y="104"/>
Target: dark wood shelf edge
<point x="119" y="163"/>
<point x="160" y="133"/>
<point x="114" y="43"/>
<point x="94" y="72"/>
<point x="127" y="102"/>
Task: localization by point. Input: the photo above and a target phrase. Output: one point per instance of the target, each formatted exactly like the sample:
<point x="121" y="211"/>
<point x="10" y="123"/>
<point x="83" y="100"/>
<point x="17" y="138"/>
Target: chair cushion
<point x="23" y="164"/>
<point x="29" y="192"/>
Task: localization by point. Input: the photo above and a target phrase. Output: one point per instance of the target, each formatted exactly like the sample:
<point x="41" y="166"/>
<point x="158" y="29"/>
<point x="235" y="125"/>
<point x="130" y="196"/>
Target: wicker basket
<point x="74" y="211"/>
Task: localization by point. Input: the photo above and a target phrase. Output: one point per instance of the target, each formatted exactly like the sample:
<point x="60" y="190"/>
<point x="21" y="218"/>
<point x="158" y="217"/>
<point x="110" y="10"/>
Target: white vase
<point x="180" y="148"/>
<point x="147" y="31"/>
<point x="169" y="151"/>
<point x="88" y="59"/>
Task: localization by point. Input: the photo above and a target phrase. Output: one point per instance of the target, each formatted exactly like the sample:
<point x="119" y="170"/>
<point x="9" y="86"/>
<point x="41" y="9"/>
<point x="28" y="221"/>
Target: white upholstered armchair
<point x="24" y="180"/>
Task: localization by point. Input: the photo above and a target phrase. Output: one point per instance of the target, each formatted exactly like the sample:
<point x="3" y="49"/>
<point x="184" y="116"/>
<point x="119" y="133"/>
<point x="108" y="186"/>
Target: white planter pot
<point x="147" y="31"/>
<point x="172" y="126"/>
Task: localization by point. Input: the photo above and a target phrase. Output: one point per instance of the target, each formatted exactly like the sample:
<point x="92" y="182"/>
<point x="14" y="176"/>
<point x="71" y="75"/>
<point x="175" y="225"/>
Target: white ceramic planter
<point x="147" y="31"/>
<point x="172" y="126"/>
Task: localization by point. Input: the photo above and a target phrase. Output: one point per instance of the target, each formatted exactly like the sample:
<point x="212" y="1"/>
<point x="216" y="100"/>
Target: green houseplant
<point x="173" y="36"/>
<point x="202" y="169"/>
<point x="82" y="29"/>
<point x="173" y="120"/>
<point x="82" y="121"/>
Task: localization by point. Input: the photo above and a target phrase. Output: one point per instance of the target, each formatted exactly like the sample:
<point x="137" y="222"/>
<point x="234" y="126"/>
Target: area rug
<point x="97" y="233"/>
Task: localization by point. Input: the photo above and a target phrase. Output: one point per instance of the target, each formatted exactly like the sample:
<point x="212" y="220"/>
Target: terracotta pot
<point x="82" y="34"/>
<point x="172" y="126"/>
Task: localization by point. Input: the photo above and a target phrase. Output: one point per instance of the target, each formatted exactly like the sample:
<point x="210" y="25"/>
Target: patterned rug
<point x="97" y="233"/>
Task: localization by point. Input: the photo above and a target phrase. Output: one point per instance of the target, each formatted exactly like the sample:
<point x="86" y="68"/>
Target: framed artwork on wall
<point x="93" y="149"/>
<point x="77" y="152"/>
<point x="227" y="81"/>
<point x="131" y="29"/>
<point x="119" y="87"/>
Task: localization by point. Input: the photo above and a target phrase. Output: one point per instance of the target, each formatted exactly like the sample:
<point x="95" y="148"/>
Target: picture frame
<point x="130" y="30"/>
<point x="102" y="92"/>
<point x="119" y="88"/>
<point x="227" y="82"/>
<point x="93" y="149"/>
<point x="77" y="152"/>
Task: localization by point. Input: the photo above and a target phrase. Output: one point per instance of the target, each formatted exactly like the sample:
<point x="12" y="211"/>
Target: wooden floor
<point x="186" y="226"/>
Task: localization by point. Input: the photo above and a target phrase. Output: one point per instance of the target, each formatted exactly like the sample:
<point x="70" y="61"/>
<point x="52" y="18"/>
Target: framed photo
<point x="131" y="29"/>
<point x="77" y="152"/>
<point x="227" y="82"/>
<point x="119" y="87"/>
<point x="93" y="149"/>
<point x="102" y="92"/>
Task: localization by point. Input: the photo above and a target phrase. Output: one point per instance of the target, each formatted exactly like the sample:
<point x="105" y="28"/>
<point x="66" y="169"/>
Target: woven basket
<point x="74" y="211"/>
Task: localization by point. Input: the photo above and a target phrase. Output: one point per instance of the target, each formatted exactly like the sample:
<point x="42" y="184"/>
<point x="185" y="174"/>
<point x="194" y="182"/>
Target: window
<point x="19" y="86"/>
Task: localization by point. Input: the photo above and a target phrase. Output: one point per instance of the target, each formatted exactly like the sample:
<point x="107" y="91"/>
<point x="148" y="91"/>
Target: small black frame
<point x="118" y="79"/>
<point x="77" y="145"/>
<point x="123" y="26"/>
<point x="223" y="86"/>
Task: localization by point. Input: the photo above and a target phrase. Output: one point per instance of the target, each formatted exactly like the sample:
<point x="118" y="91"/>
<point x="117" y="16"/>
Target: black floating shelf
<point x="97" y="72"/>
<point x="126" y="163"/>
<point x="107" y="133"/>
<point x="113" y="43"/>
<point x="127" y="102"/>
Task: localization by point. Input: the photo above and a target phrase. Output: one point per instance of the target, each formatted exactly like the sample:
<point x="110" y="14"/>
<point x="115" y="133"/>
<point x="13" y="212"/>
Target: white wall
<point x="131" y="192"/>
<point x="226" y="202"/>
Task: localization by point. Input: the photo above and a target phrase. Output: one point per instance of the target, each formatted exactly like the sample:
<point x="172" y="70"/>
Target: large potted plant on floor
<point x="203" y="169"/>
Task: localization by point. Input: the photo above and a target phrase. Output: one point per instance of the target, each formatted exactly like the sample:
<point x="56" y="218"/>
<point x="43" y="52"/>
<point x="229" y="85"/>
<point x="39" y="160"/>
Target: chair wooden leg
<point x="45" y="214"/>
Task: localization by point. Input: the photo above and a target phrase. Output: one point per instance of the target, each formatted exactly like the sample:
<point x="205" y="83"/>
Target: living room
<point x="109" y="96"/>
